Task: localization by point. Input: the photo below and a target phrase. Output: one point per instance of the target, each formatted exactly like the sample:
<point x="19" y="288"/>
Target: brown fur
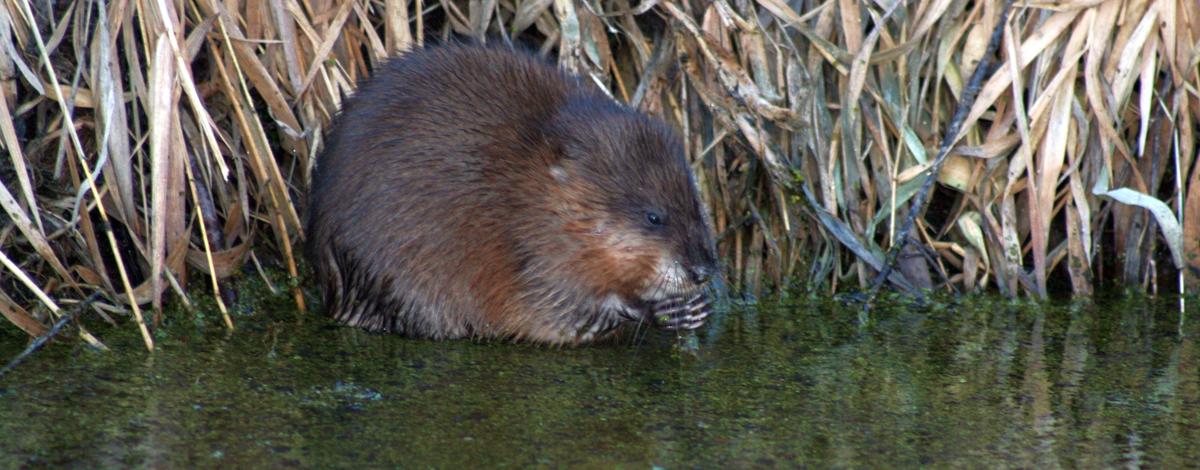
<point x="477" y="191"/>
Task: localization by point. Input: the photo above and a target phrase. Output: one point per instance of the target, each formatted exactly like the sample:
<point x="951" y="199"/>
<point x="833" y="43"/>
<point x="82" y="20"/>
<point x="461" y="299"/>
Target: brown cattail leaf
<point x="188" y="84"/>
<point x="652" y="83"/>
<point x="263" y="163"/>
<point x="379" y="50"/>
<point x="858" y="68"/>
<point x="1132" y="55"/>
<point x="8" y="136"/>
<point x="1167" y="223"/>
<point x="291" y="44"/>
<point x="735" y="79"/>
<point x="851" y="21"/>
<point x="207" y="220"/>
<point x="1146" y="95"/>
<point x="970" y="272"/>
<point x="1168" y="35"/>
<point x="162" y="99"/>
<point x="10" y="57"/>
<point x="1081" y="203"/>
<point x="836" y="56"/>
<point x="145" y="292"/>
<point x="1027" y="52"/>
<point x="1185" y="32"/>
<point x="1101" y="24"/>
<point x="971" y="231"/>
<point x="754" y="46"/>
<point x="28" y="282"/>
<point x="267" y="172"/>
<point x="716" y="26"/>
<point x="1052" y="152"/>
<point x="1079" y="265"/>
<point x="1191" y="227"/>
<point x="225" y="262"/>
<point x="300" y="19"/>
<point x="61" y="27"/>
<point x="27" y="228"/>
<point x="395" y="21"/>
<point x="114" y="130"/>
<point x="482" y="12"/>
<point x="176" y="199"/>
<point x="633" y="33"/>
<point x="76" y="97"/>
<point x="248" y="63"/>
<point x="527" y="13"/>
<point x="991" y="148"/>
<point x="596" y="47"/>
<point x="956" y="173"/>
<point x="197" y="38"/>
<point x="256" y="17"/>
<point x="947" y="62"/>
<point x="331" y="35"/>
<point x="87" y="275"/>
<point x="986" y="15"/>
<point x="1010" y="244"/>
<point x="20" y="317"/>
<point x="570" y="57"/>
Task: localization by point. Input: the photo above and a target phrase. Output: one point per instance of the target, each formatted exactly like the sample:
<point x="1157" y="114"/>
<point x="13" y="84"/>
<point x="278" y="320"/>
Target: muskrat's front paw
<point x="682" y="313"/>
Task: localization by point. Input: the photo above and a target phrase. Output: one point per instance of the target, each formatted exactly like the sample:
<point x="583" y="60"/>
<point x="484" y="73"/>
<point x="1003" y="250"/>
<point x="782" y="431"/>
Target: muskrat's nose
<point x="701" y="274"/>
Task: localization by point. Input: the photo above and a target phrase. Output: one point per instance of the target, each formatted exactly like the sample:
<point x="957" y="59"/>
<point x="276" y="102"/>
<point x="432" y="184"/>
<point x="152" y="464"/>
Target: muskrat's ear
<point x="578" y="130"/>
<point x="559" y="155"/>
<point x="555" y="134"/>
<point x="566" y="147"/>
<point x="565" y="157"/>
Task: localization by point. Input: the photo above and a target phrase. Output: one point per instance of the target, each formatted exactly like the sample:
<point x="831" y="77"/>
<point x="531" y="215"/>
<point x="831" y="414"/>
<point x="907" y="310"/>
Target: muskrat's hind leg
<point x="682" y="313"/>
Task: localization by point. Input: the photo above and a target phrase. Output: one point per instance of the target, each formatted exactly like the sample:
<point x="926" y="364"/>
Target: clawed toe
<point x="682" y="314"/>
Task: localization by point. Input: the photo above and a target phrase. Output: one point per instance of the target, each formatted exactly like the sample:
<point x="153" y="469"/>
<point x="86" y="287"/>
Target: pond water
<point x="980" y="382"/>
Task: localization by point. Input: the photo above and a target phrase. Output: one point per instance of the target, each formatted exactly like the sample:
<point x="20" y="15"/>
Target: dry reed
<point x="153" y="145"/>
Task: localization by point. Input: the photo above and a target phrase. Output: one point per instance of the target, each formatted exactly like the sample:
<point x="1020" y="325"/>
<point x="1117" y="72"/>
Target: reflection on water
<point x="979" y="383"/>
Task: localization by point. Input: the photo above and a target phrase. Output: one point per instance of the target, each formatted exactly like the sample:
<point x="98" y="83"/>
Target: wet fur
<point x="477" y="191"/>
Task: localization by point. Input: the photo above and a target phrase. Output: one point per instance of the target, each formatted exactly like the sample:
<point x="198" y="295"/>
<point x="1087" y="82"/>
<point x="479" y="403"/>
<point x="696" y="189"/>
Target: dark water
<point x="977" y="383"/>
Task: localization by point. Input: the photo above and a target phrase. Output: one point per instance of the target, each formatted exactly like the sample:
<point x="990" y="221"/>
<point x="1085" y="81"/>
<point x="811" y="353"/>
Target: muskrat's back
<point x="470" y="191"/>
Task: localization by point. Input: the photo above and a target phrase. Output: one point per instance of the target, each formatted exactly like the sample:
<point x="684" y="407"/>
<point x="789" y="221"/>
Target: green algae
<point x="982" y="382"/>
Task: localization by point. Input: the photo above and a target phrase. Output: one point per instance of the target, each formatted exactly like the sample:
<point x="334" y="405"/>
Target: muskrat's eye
<point x="653" y="218"/>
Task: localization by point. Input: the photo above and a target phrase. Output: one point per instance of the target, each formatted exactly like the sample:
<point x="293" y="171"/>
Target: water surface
<point x="980" y="383"/>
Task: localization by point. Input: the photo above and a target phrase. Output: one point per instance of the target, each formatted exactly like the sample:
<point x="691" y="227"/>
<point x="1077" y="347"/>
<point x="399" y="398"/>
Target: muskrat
<point x="477" y="191"/>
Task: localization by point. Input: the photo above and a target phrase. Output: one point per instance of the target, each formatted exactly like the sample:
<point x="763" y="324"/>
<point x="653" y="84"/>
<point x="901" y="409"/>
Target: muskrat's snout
<point x="701" y="259"/>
